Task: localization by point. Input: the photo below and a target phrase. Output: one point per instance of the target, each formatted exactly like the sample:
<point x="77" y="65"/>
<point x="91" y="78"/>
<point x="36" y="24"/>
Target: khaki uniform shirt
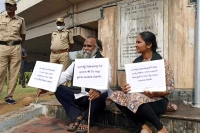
<point x="60" y="40"/>
<point x="11" y="28"/>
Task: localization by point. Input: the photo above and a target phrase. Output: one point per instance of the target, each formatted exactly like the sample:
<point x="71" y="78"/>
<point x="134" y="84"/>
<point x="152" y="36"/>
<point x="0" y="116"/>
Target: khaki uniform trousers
<point x="9" y="55"/>
<point x="60" y="58"/>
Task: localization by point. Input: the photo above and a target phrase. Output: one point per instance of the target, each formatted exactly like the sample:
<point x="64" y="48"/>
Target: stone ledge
<point x="184" y="112"/>
<point x="185" y="119"/>
<point x="14" y="118"/>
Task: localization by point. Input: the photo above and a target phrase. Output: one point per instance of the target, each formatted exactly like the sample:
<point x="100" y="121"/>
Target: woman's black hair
<point x="149" y="38"/>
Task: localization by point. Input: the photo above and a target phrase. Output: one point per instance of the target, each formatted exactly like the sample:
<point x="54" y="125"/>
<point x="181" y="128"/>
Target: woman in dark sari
<point x="146" y="106"/>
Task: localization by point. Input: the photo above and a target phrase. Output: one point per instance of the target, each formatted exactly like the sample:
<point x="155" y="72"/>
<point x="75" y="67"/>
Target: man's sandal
<point x="74" y="125"/>
<point x="83" y="127"/>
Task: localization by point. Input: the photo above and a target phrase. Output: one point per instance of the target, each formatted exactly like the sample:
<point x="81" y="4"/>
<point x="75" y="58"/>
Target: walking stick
<point x="89" y="117"/>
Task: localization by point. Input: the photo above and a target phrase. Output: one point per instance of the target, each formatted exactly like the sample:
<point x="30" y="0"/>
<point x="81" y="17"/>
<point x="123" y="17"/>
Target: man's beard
<point x="88" y="54"/>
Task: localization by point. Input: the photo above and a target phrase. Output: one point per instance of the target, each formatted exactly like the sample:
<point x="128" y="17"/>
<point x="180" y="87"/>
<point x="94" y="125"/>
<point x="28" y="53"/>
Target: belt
<point x="11" y="43"/>
<point x="59" y="51"/>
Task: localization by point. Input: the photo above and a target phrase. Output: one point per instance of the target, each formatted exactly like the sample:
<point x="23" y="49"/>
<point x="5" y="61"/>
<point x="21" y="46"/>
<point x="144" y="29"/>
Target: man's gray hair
<point x="98" y="43"/>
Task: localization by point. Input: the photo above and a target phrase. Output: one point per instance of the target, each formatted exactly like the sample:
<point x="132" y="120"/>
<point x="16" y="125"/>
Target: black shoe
<point x="23" y="86"/>
<point x="10" y="101"/>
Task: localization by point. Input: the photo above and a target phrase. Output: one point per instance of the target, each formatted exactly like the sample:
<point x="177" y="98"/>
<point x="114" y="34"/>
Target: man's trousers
<point x="10" y="57"/>
<point x="79" y="107"/>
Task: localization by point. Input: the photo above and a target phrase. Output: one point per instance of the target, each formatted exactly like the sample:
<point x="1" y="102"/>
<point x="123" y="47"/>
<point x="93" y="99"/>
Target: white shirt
<point x="68" y="74"/>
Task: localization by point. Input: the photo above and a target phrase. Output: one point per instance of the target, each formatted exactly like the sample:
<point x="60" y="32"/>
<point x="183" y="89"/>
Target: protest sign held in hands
<point x="146" y="76"/>
<point x="91" y="73"/>
<point x="45" y="76"/>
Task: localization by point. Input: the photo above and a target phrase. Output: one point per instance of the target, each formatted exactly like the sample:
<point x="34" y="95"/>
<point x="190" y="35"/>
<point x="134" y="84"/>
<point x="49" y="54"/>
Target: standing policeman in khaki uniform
<point x="61" y="42"/>
<point x="12" y="35"/>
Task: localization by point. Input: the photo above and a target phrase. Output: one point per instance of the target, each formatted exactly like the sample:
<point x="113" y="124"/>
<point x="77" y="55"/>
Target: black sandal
<point x="73" y="125"/>
<point x="80" y="130"/>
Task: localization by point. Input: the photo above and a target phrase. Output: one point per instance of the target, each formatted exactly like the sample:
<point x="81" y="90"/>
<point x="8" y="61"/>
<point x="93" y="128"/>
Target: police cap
<point x="60" y="20"/>
<point x="12" y="2"/>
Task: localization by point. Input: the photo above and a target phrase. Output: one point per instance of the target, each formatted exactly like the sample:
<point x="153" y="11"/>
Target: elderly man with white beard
<point x="75" y="100"/>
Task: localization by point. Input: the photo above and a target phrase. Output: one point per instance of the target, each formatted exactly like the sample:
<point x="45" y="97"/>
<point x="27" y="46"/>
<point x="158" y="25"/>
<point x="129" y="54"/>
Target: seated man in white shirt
<point x="76" y="105"/>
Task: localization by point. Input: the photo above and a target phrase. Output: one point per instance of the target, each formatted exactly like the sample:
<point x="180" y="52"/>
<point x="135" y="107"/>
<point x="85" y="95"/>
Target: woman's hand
<point x="126" y="88"/>
<point x="150" y="94"/>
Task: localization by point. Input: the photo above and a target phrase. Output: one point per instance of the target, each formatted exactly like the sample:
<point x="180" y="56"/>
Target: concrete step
<point x="185" y="120"/>
<point x="14" y="118"/>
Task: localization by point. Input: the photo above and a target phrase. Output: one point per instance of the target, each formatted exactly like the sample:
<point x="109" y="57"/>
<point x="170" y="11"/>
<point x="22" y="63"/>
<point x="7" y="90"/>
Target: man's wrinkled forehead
<point x="90" y="41"/>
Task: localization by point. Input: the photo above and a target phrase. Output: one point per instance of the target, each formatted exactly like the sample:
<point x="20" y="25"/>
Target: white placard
<point x="45" y="76"/>
<point x="148" y="75"/>
<point x="91" y="73"/>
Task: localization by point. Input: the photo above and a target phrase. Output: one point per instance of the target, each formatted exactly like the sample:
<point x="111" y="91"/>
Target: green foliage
<point x="27" y="77"/>
<point x="70" y="61"/>
<point x="78" y="55"/>
<point x="18" y="91"/>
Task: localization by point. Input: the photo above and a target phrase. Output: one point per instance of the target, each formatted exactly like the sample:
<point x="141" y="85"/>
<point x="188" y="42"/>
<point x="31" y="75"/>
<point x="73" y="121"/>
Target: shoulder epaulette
<point x="2" y="15"/>
<point x="66" y="30"/>
<point x="54" y="31"/>
<point x="20" y="18"/>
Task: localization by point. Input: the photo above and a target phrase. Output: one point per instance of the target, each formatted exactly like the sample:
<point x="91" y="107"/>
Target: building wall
<point x="81" y="13"/>
<point x="181" y="42"/>
<point x="179" y="26"/>
<point x="108" y="31"/>
<point x="179" y="45"/>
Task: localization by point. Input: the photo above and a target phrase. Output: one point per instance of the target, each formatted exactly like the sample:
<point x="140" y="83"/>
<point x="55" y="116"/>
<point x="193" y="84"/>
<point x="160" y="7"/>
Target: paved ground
<point x="51" y="125"/>
<point x="185" y="116"/>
